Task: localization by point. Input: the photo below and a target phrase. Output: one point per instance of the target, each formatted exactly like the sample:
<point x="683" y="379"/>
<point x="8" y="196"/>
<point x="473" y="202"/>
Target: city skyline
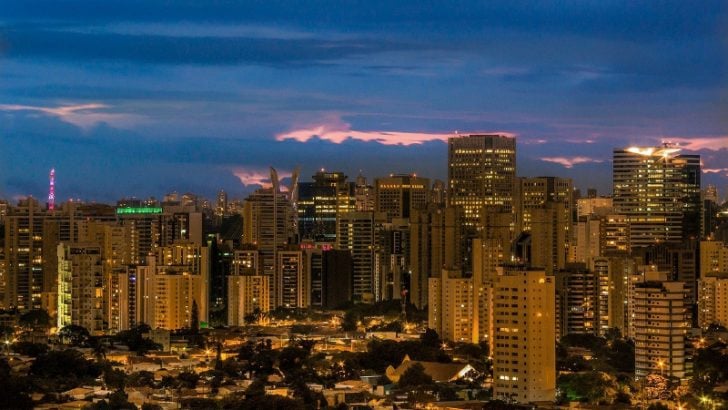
<point x="124" y="100"/>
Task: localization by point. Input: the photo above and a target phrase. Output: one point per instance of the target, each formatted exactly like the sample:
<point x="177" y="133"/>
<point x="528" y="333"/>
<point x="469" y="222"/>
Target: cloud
<point x="337" y="131"/>
<point x="258" y="176"/>
<point x="82" y="115"/>
<point x="715" y="170"/>
<point x="700" y="143"/>
<point x="569" y="162"/>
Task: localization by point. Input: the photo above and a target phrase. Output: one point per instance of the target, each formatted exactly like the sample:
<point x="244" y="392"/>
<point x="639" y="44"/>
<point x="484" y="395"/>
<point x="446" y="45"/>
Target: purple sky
<point x="139" y="98"/>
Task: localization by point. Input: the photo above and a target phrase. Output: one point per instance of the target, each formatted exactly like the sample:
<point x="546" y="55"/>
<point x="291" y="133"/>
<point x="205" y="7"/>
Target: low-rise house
<point x="440" y="372"/>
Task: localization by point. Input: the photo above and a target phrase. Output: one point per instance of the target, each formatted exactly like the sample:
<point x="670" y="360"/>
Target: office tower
<point x="679" y="261"/>
<point x="292" y="278"/>
<point x="337" y="274"/>
<point x="398" y="195"/>
<point x="524" y="344"/>
<point x="355" y="233"/>
<point x="363" y="195"/>
<point x="391" y="259"/>
<point x="578" y="300"/>
<point x="597" y="205"/>
<point x="221" y="205"/>
<point x="660" y="326"/>
<point x="319" y="203"/>
<point x="436" y="242"/>
<point x="481" y="171"/>
<point x="616" y="234"/>
<point x="658" y="191"/>
<point x="246" y="295"/>
<point x="534" y="193"/>
<point x="173" y="280"/>
<point x="80" y="287"/>
<point x="269" y="225"/>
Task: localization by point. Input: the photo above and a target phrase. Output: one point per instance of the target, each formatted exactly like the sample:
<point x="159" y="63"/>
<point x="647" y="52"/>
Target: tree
<point x="151" y="406"/>
<point x="414" y="377"/>
<point x="35" y="319"/>
<point x="75" y="335"/>
<point x="194" y="318"/>
<point x="29" y="348"/>
<point x="188" y="380"/>
<point x="431" y="339"/>
<point x="350" y="322"/>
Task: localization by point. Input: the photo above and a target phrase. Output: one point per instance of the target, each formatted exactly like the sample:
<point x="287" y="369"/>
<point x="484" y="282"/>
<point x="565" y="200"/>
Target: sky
<point x="144" y="97"/>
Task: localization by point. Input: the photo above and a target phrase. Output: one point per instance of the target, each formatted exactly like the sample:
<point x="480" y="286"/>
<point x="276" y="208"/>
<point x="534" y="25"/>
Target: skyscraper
<point x="481" y="171"/>
<point x="355" y="233"/>
<point x="658" y="190"/>
<point x="320" y="201"/>
<point x="398" y="195"/>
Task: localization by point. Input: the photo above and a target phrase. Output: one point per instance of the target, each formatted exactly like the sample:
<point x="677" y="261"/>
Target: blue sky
<point x="140" y="98"/>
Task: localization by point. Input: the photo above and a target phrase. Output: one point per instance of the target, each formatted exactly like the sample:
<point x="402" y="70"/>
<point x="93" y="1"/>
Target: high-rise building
<point x="524" y="344"/>
<point x="549" y="237"/>
<point x="398" y="195"/>
<point x="355" y="233"/>
<point x="174" y="280"/>
<point x="335" y="286"/>
<point x="481" y="171"/>
<point x="391" y="259"/>
<point x="293" y="278"/>
<point x="534" y="193"/>
<point x="660" y="325"/>
<point x="319" y="203"/>
<point x="80" y="287"/>
<point x="246" y="294"/>
<point x="364" y="195"/>
<point x="269" y="225"/>
<point x="221" y="205"/>
<point x="713" y="300"/>
<point x="24" y="256"/>
<point x="577" y="298"/>
<point x="658" y="190"/>
<point x="713" y="258"/>
<point x="435" y="243"/>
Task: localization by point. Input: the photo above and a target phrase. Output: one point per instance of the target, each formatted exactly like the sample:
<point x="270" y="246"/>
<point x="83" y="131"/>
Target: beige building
<point x="434" y="243"/>
<point x="713" y="257"/>
<point x="524" y="344"/>
<point x="245" y="295"/>
<point x="534" y="193"/>
<point x="80" y="287"/>
<point x="713" y="300"/>
<point x="172" y="281"/>
<point x="593" y="206"/>
<point x="660" y="325"/>
<point x="293" y="279"/>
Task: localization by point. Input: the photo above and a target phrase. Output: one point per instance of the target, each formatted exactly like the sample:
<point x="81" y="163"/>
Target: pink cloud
<point x="714" y="170"/>
<point x="700" y="143"/>
<point x="81" y="115"/>
<point x="258" y="176"/>
<point x="569" y="162"/>
<point x="337" y="131"/>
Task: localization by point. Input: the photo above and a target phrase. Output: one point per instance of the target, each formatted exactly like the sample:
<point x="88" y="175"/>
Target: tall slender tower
<point x="52" y="190"/>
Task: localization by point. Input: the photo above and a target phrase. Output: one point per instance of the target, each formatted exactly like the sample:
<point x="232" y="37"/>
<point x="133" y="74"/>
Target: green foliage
<point x="710" y="367"/>
<point x="36" y="318"/>
<point x="414" y="378"/>
<point x="592" y="387"/>
<point x="431" y="339"/>
<point x="198" y="404"/>
<point x="63" y="370"/>
<point x="114" y="378"/>
<point x="263" y="402"/>
<point x="188" y="380"/>
<point x="15" y="389"/>
<point x="134" y="339"/>
<point x="140" y="379"/>
<point x="75" y="335"/>
<point x="151" y="406"/>
<point x="29" y="348"/>
<point x="658" y="406"/>
<point x="350" y="321"/>
<point x="381" y="354"/>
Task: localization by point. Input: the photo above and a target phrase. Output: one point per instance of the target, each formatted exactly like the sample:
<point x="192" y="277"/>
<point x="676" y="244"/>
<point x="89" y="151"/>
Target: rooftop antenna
<point x="52" y="190"/>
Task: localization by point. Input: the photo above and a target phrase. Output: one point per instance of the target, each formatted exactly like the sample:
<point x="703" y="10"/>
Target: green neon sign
<point x="138" y="210"/>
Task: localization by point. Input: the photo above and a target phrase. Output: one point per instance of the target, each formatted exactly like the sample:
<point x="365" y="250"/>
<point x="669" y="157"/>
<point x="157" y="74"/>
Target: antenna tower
<point x="52" y="190"/>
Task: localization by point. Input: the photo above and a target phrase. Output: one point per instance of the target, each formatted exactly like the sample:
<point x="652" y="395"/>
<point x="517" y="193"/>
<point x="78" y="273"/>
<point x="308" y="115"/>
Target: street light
<point x="661" y="365"/>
